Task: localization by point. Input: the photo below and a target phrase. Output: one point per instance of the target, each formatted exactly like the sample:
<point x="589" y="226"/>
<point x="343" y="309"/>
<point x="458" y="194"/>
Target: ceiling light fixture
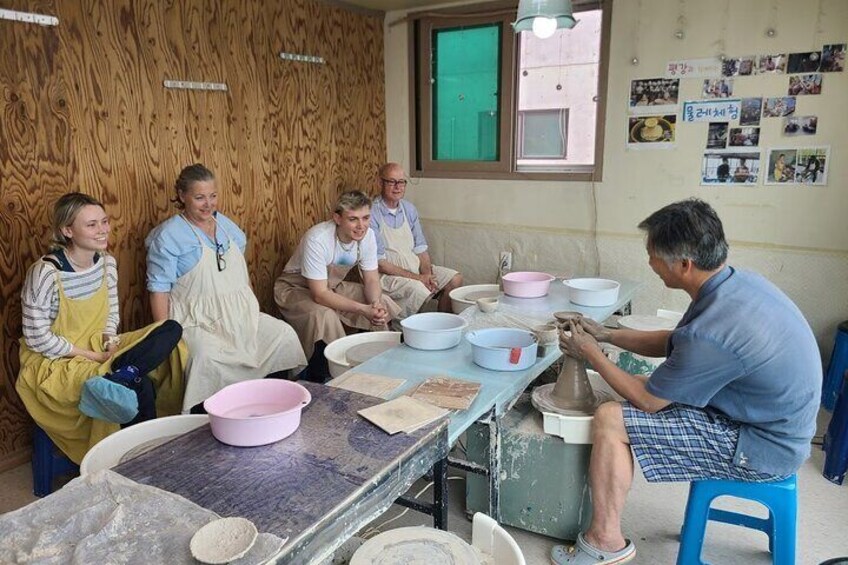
<point x="544" y="17"/>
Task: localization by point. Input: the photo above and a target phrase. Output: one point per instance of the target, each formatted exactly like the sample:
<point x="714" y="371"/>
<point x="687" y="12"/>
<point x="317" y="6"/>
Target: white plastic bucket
<point x="503" y="349"/>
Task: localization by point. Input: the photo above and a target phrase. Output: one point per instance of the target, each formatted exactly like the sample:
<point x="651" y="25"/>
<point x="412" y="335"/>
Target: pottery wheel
<point x="361" y="353"/>
<point x="417" y="546"/>
<point x="223" y="540"/>
<point x="544" y="401"/>
<point x="478" y="294"/>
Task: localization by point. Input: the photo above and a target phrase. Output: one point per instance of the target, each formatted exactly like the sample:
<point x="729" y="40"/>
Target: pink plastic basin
<point x="527" y="284"/>
<point x="256" y="412"/>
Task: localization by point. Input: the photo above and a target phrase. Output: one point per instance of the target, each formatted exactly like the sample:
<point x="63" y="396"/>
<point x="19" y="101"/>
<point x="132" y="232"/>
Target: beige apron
<point x="230" y="340"/>
<point x="51" y="388"/>
<point x="314" y="322"/>
<point x="410" y="294"/>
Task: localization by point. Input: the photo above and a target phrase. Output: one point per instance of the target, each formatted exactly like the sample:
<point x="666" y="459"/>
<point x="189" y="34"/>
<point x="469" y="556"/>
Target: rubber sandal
<point x="582" y="553"/>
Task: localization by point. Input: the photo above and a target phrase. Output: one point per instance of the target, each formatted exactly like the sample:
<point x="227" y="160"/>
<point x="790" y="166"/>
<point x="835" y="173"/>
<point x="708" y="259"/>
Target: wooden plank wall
<point x="82" y="107"/>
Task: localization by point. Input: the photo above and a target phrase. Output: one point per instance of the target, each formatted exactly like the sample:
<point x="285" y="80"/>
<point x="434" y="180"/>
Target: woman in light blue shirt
<point x="197" y="275"/>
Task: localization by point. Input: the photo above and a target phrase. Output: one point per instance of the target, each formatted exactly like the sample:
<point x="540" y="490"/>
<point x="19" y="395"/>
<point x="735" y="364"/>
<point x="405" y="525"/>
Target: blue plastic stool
<point x="781" y="499"/>
<point x="836" y="368"/>
<point x="836" y="439"/>
<point x="47" y="463"/>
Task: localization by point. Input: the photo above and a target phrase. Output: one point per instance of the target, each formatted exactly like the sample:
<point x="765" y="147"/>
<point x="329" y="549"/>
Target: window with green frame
<point x="490" y="104"/>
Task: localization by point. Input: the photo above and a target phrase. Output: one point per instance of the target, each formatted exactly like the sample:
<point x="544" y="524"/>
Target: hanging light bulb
<point x="544" y="17"/>
<point x="543" y="27"/>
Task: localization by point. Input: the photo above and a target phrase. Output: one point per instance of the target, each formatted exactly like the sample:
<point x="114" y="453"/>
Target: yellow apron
<point x="51" y="388"/>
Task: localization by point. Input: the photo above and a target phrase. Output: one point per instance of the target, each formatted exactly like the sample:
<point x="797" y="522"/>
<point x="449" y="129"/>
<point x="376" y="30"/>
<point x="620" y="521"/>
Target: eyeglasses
<point x="393" y="183"/>
<point x="219" y="256"/>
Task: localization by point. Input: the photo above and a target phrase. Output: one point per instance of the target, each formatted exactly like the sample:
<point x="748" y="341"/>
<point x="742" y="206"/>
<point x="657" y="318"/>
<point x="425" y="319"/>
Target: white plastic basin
<point x="336" y="351"/>
<point x="592" y="292"/>
<point x="503" y="349"/>
<point x="467" y="296"/>
<point x="432" y="330"/>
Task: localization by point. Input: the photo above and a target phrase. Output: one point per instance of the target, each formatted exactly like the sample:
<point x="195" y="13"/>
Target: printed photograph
<point x="744" y="137"/>
<point x="654" y="92"/>
<point x="805" y="84"/>
<point x="730" y="167"/>
<point x="811" y="166"/>
<point x="651" y="130"/>
<point x="750" y="111"/>
<point x="717" y="135"/>
<point x="803" y="62"/>
<point x="718" y="88"/>
<point x="778" y="107"/>
<point x="800" y="125"/>
<point x="775" y="64"/>
<point x="743" y="66"/>
<point x="781" y="166"/>
<point x="833" y="58"/>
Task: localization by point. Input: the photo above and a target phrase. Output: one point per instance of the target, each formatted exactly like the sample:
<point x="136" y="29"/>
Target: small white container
<point x="592" y="292"/>
<point x="487" y="305"/>
<point x="432" y="331"/>
<point x="503" y="349"/>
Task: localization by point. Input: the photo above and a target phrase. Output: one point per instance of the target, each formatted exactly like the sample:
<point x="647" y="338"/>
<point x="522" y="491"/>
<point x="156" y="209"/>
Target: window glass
<point x="465" y="78"/>
<point x="559" y="74"/>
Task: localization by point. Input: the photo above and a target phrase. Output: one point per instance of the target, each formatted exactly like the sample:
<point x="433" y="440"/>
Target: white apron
<point x="409" y="294"/>
<point x="228" y="338"/>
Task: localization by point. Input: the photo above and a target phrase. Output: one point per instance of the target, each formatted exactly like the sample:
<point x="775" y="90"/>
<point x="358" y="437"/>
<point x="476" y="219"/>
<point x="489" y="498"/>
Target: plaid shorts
<point x="684" y="443"/>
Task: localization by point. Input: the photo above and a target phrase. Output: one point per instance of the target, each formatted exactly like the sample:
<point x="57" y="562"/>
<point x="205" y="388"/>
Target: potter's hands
<point x="596" y="330"/>
<point x="378" y="314"/>
<point x="429" y="281"/>
<point x="578" y="342"/>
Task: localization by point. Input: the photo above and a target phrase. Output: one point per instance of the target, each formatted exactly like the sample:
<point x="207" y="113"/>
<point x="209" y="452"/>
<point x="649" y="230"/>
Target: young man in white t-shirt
<point x="312" y="294"/>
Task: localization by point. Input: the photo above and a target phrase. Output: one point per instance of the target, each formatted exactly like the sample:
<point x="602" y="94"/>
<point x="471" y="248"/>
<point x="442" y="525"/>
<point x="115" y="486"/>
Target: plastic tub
<point x="527" y="284"/>
<point x="432" y="330"/>
<point x="503" y="349"/>
<point x="466" y="296"/>
<point x="337" y="350"/>
<point x="256" y="412"/>
<point x="592" y="292"/>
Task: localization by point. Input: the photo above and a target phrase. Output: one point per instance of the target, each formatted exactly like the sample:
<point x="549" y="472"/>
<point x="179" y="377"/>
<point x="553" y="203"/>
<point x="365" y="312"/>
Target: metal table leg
<point x="494" y="468"/>
<point x="440" y="494"/>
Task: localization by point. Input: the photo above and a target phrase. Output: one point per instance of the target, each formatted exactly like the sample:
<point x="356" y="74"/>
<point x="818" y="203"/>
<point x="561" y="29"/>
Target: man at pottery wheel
<point x="735" y="399"/>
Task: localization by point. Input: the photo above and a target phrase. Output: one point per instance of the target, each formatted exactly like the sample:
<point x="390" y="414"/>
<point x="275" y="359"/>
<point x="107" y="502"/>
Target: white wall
<point x="798" y="236"/>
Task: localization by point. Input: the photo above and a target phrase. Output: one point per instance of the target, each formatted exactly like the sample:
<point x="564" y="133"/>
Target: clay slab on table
<point x="452" y="394"/>
<point x="365" y="383"/>
<point x="403" y="414"/>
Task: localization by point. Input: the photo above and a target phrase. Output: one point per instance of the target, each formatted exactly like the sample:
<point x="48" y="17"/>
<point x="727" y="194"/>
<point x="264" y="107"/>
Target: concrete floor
<point x="652" y="519"/>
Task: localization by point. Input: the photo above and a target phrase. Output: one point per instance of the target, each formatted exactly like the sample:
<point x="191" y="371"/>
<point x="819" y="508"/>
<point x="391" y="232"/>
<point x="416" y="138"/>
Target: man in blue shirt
<point x="735" y="399"/>
<point x="408" y="275"/>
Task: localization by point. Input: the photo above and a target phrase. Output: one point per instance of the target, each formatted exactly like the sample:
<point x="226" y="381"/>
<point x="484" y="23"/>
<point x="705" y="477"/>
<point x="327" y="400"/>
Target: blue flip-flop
<point x="582" y="553"/>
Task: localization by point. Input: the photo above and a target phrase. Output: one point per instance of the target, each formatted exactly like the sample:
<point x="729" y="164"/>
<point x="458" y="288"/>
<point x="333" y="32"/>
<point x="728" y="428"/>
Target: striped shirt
<point x="40" y="302"/>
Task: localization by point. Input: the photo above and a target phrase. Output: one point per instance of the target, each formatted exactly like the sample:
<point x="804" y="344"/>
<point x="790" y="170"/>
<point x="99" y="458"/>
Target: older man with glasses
<point x="408" y="275"/>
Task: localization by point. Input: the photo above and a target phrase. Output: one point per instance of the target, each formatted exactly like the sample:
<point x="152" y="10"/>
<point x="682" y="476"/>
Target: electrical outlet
<point x="505" y="263"/>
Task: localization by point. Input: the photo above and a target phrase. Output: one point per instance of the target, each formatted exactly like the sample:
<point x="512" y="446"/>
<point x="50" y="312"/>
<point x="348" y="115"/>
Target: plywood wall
<point x="82" y="107"/>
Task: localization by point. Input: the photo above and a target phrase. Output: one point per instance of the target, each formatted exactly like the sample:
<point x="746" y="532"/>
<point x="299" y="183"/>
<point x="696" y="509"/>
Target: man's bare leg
<point x="444" y="295"/>
<point x="610" y="477"/>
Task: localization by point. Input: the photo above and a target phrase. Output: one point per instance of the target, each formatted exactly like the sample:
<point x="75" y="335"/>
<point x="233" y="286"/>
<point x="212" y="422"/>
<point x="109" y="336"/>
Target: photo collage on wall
<point x="732" y="154"/>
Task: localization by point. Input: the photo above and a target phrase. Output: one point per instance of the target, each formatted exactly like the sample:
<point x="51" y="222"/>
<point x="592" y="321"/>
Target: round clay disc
<point x="416" y="546"/>
<point x="362" y="352"/>
<point x="223" y="540"/>
<point x="646" y="323"/>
